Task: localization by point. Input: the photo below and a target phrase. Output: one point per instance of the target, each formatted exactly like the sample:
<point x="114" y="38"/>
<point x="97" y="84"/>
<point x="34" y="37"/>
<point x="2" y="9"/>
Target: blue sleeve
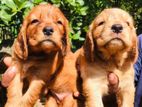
<point x="138" y="74"/>
<point x="138" y="93"/>
<point x="138" y="64"/>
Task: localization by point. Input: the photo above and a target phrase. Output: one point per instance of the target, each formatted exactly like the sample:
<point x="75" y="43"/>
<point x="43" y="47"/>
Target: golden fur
<point x="110" y="46"/>
<point x="43" y="57"/>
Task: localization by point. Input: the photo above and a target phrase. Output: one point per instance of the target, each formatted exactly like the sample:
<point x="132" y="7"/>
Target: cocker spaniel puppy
<point x="110" y="46"/>
<point x="44" y="60"/>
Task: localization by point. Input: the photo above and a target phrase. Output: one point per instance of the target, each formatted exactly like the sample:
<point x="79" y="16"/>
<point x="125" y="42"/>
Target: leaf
<point x="28" y="4"/>
<point x="56" y="1"/>
<point x="38" y="1"/>
<point x="85" y="28"/>
<point x="10" y="4"/>
<point x="27" y="10"/>
<point x="73" y="47"/>
<point x="19" y="2"/>
<point x="4" y="7"/>
<point x="76" y="36"/>
<point x="83" y="10"/>
<point x="76" y="27"/>
<point x="71" y="2"/>
<point x="5" y="16"/>
<point x="81" y="39"/>
<point x="79" y="24"/>
<point x="81" y="2"/>
<point x="25" y="4"/>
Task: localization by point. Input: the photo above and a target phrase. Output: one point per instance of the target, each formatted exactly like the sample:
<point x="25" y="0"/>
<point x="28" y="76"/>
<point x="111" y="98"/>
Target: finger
<point x="8" y="76"/>
<point x="113" y="82"/>
<point x="7" y="60"/>
<point x="113" y="79"/>
<point x="76" y="94"/>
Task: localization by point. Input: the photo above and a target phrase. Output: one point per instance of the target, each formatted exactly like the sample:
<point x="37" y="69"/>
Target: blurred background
<point x="80" y="13"/>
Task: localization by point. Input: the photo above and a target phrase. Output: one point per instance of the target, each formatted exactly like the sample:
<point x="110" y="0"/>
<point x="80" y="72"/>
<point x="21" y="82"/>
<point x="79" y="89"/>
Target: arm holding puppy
<point x="11" y="71"/>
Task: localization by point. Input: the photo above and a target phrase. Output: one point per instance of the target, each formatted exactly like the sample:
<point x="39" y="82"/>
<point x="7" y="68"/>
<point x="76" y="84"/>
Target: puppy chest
<point x="37" y="69"/>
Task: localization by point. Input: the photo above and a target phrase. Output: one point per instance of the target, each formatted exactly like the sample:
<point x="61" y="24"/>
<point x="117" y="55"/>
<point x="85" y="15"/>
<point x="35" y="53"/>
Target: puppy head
<point x="111" y="32"/>
<point x="45" y="29"/>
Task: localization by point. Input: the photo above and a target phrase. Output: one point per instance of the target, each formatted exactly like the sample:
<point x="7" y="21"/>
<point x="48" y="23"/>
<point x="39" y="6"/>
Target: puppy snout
<point x="117" y="28"/>
<point x="48" y="31"/>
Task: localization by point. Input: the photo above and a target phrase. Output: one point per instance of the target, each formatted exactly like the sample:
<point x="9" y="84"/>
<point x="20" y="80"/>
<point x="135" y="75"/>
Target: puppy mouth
<point x="115" y="41"/>
<point x="48" y="42"/>
<point x="49" y="45"/>
<point x="115" y="44"/>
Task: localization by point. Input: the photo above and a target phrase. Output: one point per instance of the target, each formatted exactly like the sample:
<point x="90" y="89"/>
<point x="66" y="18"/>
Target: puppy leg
<point x="69" y="101"/>
<point x="32" y="94"/>
<point x="51" y="102"/>
<point x="14" y="91"/>
<point x="93" y="94"/>
<point x="125" y="97"/>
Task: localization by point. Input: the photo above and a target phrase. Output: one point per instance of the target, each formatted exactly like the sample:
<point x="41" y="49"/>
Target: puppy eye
<point x="34" y="21"/>
<point x="59" y="22"/>
<point x="128" y="23"/>
<point x="101" y="23"/>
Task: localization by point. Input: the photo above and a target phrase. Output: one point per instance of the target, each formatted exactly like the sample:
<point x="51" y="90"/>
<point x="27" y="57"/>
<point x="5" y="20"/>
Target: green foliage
<point x="10" y="9"/>
<point x="12" y="13"/>
<point x="80" y="13"/>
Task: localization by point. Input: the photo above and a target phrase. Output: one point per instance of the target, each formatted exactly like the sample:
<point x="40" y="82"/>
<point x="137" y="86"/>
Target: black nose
<point x="117" y="28"/>
<point x="48" y="31"/>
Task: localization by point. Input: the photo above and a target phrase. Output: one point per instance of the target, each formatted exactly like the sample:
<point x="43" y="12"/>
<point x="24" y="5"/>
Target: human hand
<point x="9" y="74"/>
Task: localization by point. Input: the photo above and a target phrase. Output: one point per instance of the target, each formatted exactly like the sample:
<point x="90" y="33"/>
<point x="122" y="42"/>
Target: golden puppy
<point x="110" y="46"/>
<point x="43" y="57"/>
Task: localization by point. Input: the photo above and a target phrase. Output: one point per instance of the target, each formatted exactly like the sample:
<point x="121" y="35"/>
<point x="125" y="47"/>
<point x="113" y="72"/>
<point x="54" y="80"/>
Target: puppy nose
<point x="48" y="31"/>
<point x="117" y="28"/>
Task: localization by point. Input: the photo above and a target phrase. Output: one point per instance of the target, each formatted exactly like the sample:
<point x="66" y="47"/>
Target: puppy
<point x="44" y="60"/>
<point x="110" y="46"/>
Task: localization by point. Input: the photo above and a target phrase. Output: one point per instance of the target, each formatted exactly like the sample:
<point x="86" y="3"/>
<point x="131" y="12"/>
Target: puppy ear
<point x="133" y="54"/>
<point x="89" y="45"/>
<point x="20" y="44"/>
<point x="135" y="50"/>
<point x="65" y="39"/>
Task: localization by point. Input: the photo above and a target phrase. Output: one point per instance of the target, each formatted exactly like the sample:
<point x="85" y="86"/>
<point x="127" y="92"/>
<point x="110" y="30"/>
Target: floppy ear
<point x="20" y="44"/>
<point x="65" y="39"/>
<point x="135" y="49"/>
<point x="89" y="45"/>
<point x="133" y="54"/>
<point x="134" y="46"/>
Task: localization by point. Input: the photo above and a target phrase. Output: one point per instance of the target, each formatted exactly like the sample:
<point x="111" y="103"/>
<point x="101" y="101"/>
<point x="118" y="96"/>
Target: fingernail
<point x="110" y="76"/>
<point x="76" y="94"/>
<point x="7" y="60"/>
